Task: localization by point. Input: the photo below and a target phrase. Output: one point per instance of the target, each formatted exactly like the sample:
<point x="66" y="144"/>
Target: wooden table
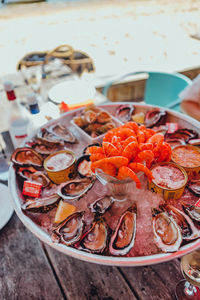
<point x="31" y="270"/>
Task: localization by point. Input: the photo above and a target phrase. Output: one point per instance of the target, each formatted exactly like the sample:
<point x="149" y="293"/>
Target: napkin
<point x="190" y="99"/>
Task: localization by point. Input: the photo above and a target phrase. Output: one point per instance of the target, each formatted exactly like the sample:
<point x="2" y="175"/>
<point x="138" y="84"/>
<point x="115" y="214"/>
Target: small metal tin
<point x="166" y="192"/>
<point x="189" y="170"/>
<point x="60" y="176"/>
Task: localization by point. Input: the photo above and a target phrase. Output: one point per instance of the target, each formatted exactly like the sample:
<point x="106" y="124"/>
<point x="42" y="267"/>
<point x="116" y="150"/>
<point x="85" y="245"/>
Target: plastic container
<point x="87" y="137"/>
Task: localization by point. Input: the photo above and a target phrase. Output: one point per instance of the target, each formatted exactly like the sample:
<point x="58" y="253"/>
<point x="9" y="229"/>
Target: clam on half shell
<point x="167" y="235"/>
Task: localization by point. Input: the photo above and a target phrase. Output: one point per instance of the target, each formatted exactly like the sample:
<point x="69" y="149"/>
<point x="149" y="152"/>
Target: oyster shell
<point x="154" y="117"/>
<point x="123" y="237"/>
<point x="124" y="112"/>
<point x="193" y="212"/>
<point x="48" y="138"/>
<point x="194" y="187"/>
<point x="183" y="135"/>
<point x="26" y="156"/>
<point x="62" y="133"/>
<point x="194" y="142"/>
<point x="167" y="234"/>
<point x="41" y="205"/>
<point x="44" y="149"/>
<point x="188" y="230"/>
<point x="101" y="205"/>
<point x="34" y="175"/>
<point x="83" y="166"/>
<point x="95" y="239"/>
<point x="71" y="229"/>
<point x="74" y="189"/>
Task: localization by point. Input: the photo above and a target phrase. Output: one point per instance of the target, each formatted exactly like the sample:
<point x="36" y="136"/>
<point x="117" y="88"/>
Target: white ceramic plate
<point x="184" y="121"/>
<point x="6" y="210"/>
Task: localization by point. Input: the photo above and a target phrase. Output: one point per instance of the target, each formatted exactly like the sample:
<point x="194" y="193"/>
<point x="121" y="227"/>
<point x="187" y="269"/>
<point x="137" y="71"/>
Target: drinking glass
<point x="189" y="288"/>
<point x="33" y="77"/>
<point x="119" y="190"/>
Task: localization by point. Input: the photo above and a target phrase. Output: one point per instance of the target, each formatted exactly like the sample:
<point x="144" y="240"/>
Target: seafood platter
<point x="116" y="184"/>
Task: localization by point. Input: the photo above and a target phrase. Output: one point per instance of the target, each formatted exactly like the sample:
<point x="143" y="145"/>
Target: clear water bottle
<point x="18" y="116"/>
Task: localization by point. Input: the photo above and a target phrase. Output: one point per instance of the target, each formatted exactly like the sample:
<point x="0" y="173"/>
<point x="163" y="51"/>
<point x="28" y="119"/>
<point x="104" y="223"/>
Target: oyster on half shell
<point x="41" y="205"/>
<point x="26" y="157"/>
<point x="70" y="230"/>
<point x="101" y="205"/>
<point x="188" y="230"/>
<point x="123" y="237"/>
<point x="167" y="234"/>
<point x="193" y="212"/>
<point x="95" y="239"/>
<point x="74" y="189"/>
<point x="62" y="133"/>
<point x="33" y="175"/>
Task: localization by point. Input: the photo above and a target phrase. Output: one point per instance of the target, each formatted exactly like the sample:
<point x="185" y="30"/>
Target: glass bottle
<point x="17" y="116"/>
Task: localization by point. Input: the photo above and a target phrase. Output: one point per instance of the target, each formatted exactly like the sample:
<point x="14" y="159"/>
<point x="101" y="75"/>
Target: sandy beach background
<point x="119" y="35"/>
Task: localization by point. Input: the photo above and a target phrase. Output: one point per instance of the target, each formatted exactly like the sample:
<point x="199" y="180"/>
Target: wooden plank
<point x="154" y="282"/>
<point x="25" y="272"/>
<point x="87" y="281"/>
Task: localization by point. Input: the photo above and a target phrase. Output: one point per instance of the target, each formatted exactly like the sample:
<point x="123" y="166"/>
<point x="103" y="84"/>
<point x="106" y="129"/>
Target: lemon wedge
<point x="63" y="211"/>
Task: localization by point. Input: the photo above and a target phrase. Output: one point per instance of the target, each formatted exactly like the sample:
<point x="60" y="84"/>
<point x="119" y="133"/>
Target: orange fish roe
<point x="129" y="149"/>
<point x="187" y="156"/>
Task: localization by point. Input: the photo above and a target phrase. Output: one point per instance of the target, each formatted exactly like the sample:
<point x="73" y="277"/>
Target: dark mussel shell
<point x="193" y="212"/>
<point x="26" y="157"/>
<point x="75" y="189"/>
<point x="124" y="112"/>
<point x="41" y="205"/>
<point x="70" y="230"/>
<point x="83" y="166"/>
<point x="101" y="205"/>
<point x="154" y="117"/>
<point x="123" y="237"/>
<point x="86" y="149"/>
<point x="33" y="175"/>
<point x="188" y="230"/>
<point x="184" y="135"/>
<point x="95" y="239"/>
<point x="194" y="187"/>
<point x="48" y="138"/>
<point x="62" y="133"/>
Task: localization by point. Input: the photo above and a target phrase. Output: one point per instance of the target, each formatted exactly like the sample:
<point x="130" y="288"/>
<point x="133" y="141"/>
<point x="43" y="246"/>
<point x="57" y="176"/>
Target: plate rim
<point x="89" y="257"/>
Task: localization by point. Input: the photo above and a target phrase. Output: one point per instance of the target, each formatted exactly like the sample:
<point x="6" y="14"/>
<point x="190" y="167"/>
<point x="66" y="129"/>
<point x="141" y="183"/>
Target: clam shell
<point x="101" y="205"/>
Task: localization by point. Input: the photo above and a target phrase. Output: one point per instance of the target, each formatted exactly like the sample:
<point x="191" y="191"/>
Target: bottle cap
<point x="33" y="103"/>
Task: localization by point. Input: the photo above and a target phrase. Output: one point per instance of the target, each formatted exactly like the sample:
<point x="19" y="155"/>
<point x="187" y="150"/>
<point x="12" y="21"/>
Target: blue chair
<point x="161" y="89"/>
